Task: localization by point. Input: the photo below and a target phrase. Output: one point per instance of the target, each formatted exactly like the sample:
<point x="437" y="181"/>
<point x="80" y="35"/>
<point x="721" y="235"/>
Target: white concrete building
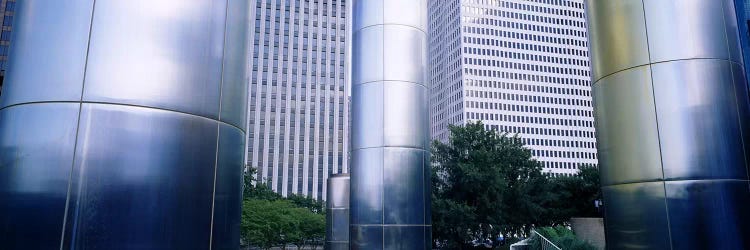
<point x="520" y="66"/>
<point x="298" y="122"/>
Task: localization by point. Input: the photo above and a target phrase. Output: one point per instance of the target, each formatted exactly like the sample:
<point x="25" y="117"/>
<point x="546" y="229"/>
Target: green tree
<point x="484" y="183"/>
<point x="266" y="223"/>
<point x="253" y="190"/>
<point x="270" y="220"/>
<point x="315" y="206"/>
<point x="311" y="227"/>
<point x="574" y="196"/>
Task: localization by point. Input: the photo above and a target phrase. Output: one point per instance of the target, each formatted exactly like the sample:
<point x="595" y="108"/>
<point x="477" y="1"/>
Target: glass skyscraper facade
<point x="8" y="10"/>
<point x="298" y="105"/>
<point x="520" y="66"/>
<point x="742" y="8"/>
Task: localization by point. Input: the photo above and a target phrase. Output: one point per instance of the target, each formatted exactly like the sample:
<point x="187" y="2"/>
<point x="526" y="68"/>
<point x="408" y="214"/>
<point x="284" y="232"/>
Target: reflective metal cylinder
<point x="673" y="123"/>
<point x="122" y="125"/>
<point x="337" y="212"/>
<point x="390" y="192"/>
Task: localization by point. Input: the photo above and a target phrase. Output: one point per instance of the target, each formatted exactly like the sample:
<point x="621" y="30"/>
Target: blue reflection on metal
<point x="122" y="125"/>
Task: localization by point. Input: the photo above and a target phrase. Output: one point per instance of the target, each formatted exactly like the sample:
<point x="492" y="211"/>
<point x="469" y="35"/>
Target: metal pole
<point x="337" y="212"/>
<point x="390" y="172"/>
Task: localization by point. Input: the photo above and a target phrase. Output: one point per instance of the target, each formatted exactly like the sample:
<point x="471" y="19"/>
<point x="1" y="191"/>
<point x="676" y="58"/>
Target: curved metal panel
<point x="141" y="163"/>
<point x="49" y="40"/>
<point x="410" y="13"/>
<point x="699" y="125"/>
<point x="35" y="162"/>
<point x="366" y="13"/>
<point x="404" y="116"/>
<point x="403" y="54"/>
<point x="367" y="122"/>
<point x="743" y="107"/>
<point x="165" y="54"/>
<point x="337" y="221"/>
<point x="119" y="161"/>
<point x="703" y="214"/>
<point x="390" y="124"/>
<point x="617" y="35"/>
<point x="234" y="75"/>
<point x="685" y="29"/>
<point x="227" y="204"/>
<point x="367" y="186"/>
<point x="626" y="127"/>
<point x="369" y="66"/>
<point x="337" y="212"/>
<point x="641" y="226"/>
<point x="366" y="237"/>
<point x="402" y="203"/>
<point x="702" y="115"/>
<point x="338" y="191"/>
<point x="404" y="237"/>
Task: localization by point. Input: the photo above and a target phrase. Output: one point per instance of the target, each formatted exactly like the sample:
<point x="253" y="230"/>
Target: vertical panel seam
<point x="218" y="125"/>
<point x="382" y="108"/>
<point x="656" y="116"/>
<point x="78" y="127"/>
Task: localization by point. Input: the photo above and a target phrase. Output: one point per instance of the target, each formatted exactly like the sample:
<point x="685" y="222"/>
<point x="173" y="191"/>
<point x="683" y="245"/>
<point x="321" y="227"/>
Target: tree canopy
<point x="486" y="183"/>
<point x="270" y="220"/>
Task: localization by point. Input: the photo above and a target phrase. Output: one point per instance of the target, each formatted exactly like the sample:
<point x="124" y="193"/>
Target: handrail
<point x="546" y="244"/>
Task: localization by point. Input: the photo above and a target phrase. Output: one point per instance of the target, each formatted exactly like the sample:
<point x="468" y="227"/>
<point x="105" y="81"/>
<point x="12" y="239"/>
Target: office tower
<point x="673" y="118"/>
<point x="122" y="125"/>
<point x="518" y="66"/>
<point x="297" y="129"/>
<point x="742" y="10"/>
<point x="7" y="11"/>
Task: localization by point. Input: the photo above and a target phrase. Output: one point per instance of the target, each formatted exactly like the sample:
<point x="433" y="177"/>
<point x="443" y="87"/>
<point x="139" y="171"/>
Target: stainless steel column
<point x="337" y="212"/>
<point x="673" y="123"/>
<point x="122" y="125"/>
<point x="390" y="193"/>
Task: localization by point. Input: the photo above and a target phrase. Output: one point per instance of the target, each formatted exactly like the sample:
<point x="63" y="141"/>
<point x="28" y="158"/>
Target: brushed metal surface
<point x="402" y="202"/>
<point x="337" y="212"/>
<point x="367" y="55"/>
<point x="367" y="100"/>
<point x="122" y="125"/>
<point x="367" y="187"/>
<point x="338" y="191"/>
<point x="403" y="53"/>
<point x="624" y="106"/>
<point x="686" y="29"/>
<point x="709" y="214"/>
<point x="227" y="208"/>
<point x="636" y="216"/>
<point x="699" y="127"/>
<point x="35" y="161"/>
<point x="686" y="186"/>
<point x="404" y="115"/>
<point x="366" y="237"/>
<point x="390" y="135"/>
<point x="155" y="194"/>
<point x="163" y="54"/>
<point x="617" y="36"/>
<point x="50" y="39"/>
